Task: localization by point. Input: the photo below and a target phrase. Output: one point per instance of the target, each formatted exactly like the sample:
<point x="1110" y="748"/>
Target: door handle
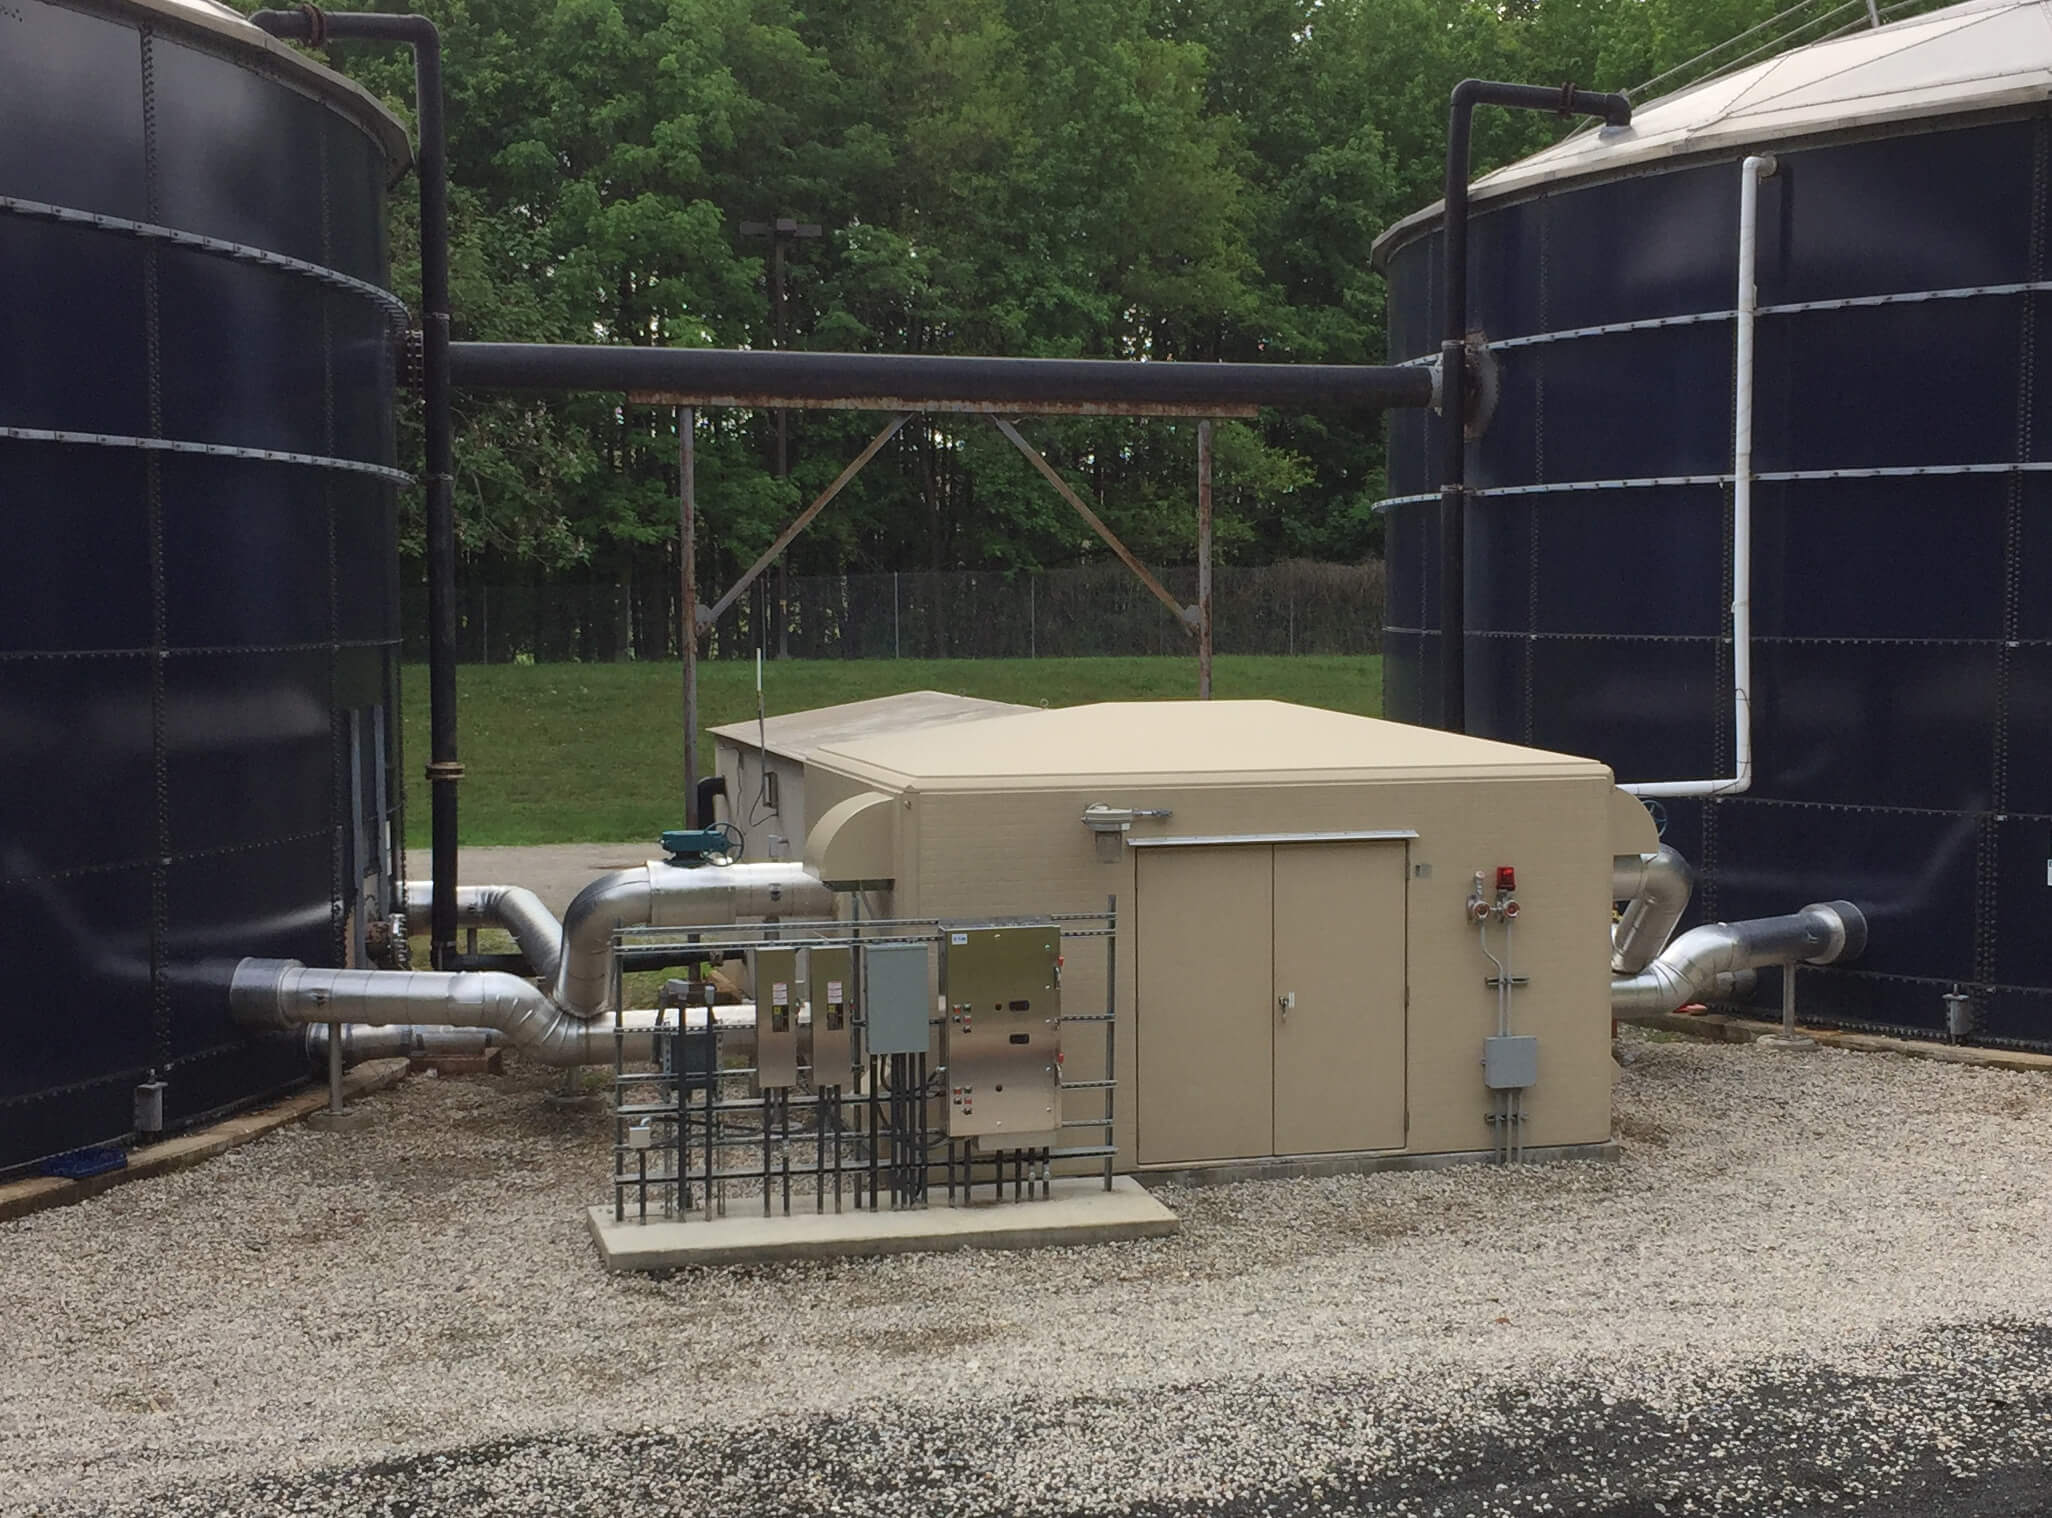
<point x="1286" y="1003"/>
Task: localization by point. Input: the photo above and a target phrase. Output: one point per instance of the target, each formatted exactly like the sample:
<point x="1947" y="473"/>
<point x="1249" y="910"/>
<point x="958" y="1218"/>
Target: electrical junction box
<point x="1510" y="1063"/>
<point x="1002" y="1037"/>
<point x="897" y="999"/>
<point x="691" y="1054"/>
<point x="830" y="987"/>
<point x="778" y="995"/>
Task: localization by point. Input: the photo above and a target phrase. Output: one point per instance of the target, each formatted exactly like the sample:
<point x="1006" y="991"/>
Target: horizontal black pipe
<point x="769" y="377"/>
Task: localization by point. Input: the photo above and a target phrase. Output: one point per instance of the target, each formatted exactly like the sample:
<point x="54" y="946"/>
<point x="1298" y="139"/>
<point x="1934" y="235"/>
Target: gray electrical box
<point x="1510" y="1063"/>
<point x="897" y="999"/>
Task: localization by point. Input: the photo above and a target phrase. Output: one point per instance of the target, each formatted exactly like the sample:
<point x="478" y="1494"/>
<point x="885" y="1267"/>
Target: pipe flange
<point x="1484" y="388"/>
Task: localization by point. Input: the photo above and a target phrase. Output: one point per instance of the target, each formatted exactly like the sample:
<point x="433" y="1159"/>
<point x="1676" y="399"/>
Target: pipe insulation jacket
<point x="517" y="910"/>
<point x="1689" y="969"/>
<point x="1656" y="889"/>
<point x="362" y="1041"/>
<point x="367" y="1041"/>
<point x="574" y="959"/>
<point x="283" y="993"/>
<point x="659" y="895"/>
<point x="559" y="1022"/>
<point x="412" y="1011"/>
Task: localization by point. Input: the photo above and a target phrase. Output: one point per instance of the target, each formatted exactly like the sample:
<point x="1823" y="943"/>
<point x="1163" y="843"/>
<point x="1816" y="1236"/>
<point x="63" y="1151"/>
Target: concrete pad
<point x="1231" y="1172"/>
<point x="348" y="1120"/>
<point x="1078" y="1212"/>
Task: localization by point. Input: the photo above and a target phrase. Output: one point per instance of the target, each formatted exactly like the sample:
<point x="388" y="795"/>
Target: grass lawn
<point x="589" y="753"/>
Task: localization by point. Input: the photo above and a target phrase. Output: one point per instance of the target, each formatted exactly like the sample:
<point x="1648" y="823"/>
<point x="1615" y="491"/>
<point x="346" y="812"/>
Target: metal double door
<point x="1271" y="1010"/>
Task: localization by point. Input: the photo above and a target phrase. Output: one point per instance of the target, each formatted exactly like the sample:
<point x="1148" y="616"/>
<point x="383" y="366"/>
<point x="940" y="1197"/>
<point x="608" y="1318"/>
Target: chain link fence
<point x="1295" y="607"/>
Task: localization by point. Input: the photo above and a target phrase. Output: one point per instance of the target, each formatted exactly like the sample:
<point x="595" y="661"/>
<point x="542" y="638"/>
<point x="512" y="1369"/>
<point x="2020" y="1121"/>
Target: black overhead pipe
<point x="709" y="787"/>
<point x="1453" y="349"/>
<point x="904" y="381"/>
<point x="311" y="25"/>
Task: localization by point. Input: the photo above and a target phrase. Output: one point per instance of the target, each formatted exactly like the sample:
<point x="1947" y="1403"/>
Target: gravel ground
<point x="1812" y="1282"/>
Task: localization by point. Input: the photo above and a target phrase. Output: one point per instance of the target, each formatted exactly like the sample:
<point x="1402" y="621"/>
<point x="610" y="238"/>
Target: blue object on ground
<point x="80" y="1163"/>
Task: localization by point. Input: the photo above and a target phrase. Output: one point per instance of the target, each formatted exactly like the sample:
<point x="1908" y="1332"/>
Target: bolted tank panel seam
<point x="150" y="231"/>
<point x="155" y="445"/>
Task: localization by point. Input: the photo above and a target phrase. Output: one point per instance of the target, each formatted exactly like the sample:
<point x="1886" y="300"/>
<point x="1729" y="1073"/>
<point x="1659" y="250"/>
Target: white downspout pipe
<point x="1756" y="168"/>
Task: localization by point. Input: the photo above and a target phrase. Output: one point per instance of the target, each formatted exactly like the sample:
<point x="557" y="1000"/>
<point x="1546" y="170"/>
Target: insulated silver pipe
<point x="367" y="1041"/>
<point x="362" y="1041"/>
<point x="515" y="908"/>
<point x="662" y="895"/>
<point x="1657" y="888"/>
<point x="574" y="958"/>
<point x="559" y="1024"/>
<point x="283" y="993"/>
<point x="1690" y="967"/>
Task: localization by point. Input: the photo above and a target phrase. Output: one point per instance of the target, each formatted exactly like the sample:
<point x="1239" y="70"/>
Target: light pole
<point x="781" y="233"/>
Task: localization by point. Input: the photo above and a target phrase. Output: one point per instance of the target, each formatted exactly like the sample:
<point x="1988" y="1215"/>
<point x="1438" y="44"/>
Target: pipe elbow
<point x="1697" y="963"/>
<point x="609" y="903"/>
<point x="1657" y="887"/>
<point x="257" y="997"/>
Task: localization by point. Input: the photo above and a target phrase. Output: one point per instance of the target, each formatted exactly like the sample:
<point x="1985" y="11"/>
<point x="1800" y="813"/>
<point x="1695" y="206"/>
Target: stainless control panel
<point x="778" y="995"/>
<point x="830" y="988"/>
<point x="1002" y="987"/>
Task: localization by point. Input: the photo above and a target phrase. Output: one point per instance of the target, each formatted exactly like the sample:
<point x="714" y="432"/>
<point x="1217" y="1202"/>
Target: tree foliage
<point x="1161" y="179"/>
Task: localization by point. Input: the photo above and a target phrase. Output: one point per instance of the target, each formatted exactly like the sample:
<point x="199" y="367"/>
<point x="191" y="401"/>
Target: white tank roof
<point x="1983" y="55"/>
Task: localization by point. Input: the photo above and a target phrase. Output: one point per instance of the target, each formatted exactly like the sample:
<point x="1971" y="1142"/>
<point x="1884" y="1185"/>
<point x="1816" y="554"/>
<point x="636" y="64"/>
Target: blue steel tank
<point x="198" y="598"/>
<point x="1898" y="495"/>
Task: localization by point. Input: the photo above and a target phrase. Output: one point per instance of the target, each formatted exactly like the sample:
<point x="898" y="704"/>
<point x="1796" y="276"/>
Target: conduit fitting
<point x="1822" y="933"/>
<point x="1656" y="888"/>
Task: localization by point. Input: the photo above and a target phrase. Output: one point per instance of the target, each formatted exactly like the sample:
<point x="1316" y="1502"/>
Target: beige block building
<point x="764" y="763"/>
<point x="1298" y="971"/>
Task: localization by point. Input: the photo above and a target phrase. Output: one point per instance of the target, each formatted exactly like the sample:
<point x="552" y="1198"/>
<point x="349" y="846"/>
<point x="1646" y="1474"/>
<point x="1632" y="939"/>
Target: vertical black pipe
<point x="1453" y="358"/>
<point x="311" y="25"/>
